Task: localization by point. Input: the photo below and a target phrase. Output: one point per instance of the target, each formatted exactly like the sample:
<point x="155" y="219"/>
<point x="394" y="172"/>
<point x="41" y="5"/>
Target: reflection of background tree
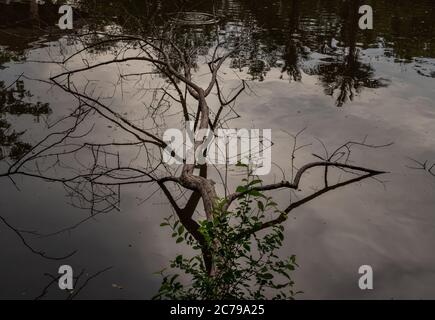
<point x="308" y="22"/>
<point x="277" y="33"/>
<point x="346" y="74"/>
<point x="13" y="103"/>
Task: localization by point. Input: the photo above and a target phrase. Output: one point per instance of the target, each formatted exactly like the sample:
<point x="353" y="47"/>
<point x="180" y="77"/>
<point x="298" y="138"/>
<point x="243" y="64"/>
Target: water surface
<point x="308" y="66"/>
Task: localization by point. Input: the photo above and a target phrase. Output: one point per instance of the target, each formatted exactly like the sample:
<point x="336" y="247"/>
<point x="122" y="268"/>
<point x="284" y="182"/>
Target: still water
<point x="307" y="65"/>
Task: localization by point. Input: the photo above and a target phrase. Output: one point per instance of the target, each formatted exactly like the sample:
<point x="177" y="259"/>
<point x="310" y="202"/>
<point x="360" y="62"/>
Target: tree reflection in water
<point x="14" y="102"/>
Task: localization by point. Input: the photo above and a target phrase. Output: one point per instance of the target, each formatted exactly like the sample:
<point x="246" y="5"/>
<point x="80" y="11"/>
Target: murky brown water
<point x="308" y="66"/>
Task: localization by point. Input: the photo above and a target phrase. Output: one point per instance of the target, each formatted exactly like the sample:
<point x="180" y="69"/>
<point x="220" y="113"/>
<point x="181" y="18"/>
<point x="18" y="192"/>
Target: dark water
<point x="308" y="65"/>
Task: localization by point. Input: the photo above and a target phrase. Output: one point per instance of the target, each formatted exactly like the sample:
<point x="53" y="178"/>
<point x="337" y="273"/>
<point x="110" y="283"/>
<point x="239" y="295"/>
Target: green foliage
<point x="246" y="263"/>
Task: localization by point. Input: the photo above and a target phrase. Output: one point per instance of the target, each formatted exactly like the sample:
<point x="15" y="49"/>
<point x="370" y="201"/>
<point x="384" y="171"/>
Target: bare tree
<point x="102" y="169"/>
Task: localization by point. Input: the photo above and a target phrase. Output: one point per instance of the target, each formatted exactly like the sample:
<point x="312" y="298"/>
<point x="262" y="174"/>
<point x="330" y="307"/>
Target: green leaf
<point x="180" y="230"/>
<point x="175" y="276"/>
<point x="255" y="193"/>
<point x="260" y="205"/>
<point x="253" y="182"/>
<point x="180" y="239"/>
<point x="241" y="189"/>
